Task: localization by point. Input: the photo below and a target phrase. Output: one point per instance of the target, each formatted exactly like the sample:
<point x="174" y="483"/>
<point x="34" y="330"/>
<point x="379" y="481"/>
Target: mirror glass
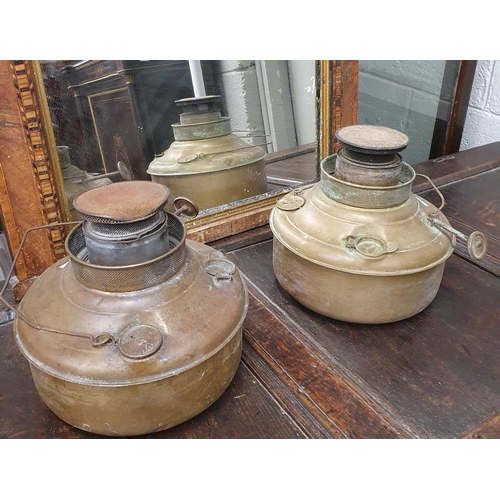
<point x="112" y="119"/>
<point x="414" y="97"/>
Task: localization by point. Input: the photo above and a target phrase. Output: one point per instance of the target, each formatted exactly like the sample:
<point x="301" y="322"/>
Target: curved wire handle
<point x="477" y="245"/>
<point x="97" y="341"/>
<point x="443" y="201"/>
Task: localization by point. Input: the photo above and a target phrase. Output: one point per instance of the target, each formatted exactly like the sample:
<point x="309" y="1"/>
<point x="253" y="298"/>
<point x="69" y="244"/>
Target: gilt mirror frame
<point x="31" y="185"/>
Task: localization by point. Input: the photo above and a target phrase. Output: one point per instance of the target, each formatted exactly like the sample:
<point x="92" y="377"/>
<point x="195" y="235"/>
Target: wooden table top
<point x="435" y="375"/>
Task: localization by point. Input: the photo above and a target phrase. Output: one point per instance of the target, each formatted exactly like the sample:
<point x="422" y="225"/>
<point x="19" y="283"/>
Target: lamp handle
<point x="97" y="340"/>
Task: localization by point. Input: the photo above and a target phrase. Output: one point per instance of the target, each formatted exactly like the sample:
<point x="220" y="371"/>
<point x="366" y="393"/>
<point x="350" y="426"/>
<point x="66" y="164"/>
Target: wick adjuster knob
<point x="476" y="242"/>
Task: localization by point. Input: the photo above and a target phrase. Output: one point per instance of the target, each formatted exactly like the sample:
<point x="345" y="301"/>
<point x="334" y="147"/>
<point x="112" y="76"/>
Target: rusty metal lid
<point x="140" y="341"/>
<point x="122" y="202"/>
<point x="372" y="139"/>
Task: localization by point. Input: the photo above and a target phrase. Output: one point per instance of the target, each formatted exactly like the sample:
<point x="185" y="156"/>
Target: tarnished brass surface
<point x="357" y="172"/>
<point x="207" y="163"/>
<point x="369" y="155"/>
<point x="363" y="196"/>
<point x="322" y="229"/>
<point x="117" y="389"/>
<point x="355" y="298"/>
<point x="140" y="409"/>
<point x="217" y="187"/>
<point x="362" y="265"/>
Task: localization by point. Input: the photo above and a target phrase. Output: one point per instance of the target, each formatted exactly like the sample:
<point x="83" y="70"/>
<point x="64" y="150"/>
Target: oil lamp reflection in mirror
<point x="207" y="162"/>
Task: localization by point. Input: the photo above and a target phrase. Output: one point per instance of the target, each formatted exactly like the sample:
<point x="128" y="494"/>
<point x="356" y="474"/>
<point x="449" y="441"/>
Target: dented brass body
<point x="133" y="349"/>
<point x="365" y="252"/>
<point x="337" y="260"/>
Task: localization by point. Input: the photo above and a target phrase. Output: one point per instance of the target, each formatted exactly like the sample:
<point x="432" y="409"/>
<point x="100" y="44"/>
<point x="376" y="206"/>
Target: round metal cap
<point x="199" y="104"/>
<point x="125" y="170"/>
<point x="477" y="245"/>
<point x="221" y="269"/>
<point x="290" y="202"/>
<point x="372" y="139"/>
<point x="122" y="201"/>
<point x="140" y="341"/>
<point x="185" y="207"/>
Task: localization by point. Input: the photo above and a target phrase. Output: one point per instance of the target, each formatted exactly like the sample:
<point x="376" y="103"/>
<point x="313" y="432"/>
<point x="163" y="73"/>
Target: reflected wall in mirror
<point x="414" y="97"/>
<point x="110" y="113"/>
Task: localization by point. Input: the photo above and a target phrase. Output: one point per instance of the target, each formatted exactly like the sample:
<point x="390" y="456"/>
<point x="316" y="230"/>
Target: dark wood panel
<point x="457" y="166"/>
<point x="314" y="424"/>
<point x="310" y="379"/>
<point x="460" y="106"/>
<point x="469" y="208"/>
<point x="489" y="429"/>
<point x="245" y="410"/>
<point x="245" y="239"/>
<point x="437" y="373"/>
<point x="299" y="168"/>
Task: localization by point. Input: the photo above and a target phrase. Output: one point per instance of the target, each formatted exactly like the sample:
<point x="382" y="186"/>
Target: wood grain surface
<point x="433" y="375"/>
<point x="246" y="410"/>
<point x="469" y="208"/>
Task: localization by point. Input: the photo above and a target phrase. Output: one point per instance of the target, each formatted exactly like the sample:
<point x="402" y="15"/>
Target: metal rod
<point x="197" y="78"/>
<point x="95" y="177"/>
<point x="181" y="210"/>
<point x="477" y="245"/>
<point x="97" y="341"/>
<point x="450" y="229"/>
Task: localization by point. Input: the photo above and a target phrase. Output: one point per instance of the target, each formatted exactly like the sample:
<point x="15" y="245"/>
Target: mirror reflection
<point x="414" y="97"/>
<point x="178" y="122"/>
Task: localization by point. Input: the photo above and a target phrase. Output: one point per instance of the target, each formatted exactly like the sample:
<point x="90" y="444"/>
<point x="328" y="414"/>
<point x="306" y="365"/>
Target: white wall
<point x="399" y="94"/>
<point x="276" y="98"/>
<point x="482" y="124"/>
<point x="403" y="95"/>
<point x="303" y="87"/>
<point x="241" y="99"/>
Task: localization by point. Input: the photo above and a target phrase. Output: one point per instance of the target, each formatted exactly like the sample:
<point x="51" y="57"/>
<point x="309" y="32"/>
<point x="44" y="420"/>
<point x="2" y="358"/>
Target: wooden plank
<point x="245" y="410"/>
<point x="457" y="166"/>
<point x="324" y="398"/>
<point x="469" y="207"/>
<point x="490" y="429"/>
<point x="245" y="239"/>
<point x="296" y="168"/>
<point x="9" y="224"/>
<point x="28" y="192"/>
<point x="279" y="156"/>
<point x="436" y="374"/>
<point x="19" y="188"/>
<point x="460" y="106"/>
<point x="232" y="224"/>
<point x="312" y="423"/>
